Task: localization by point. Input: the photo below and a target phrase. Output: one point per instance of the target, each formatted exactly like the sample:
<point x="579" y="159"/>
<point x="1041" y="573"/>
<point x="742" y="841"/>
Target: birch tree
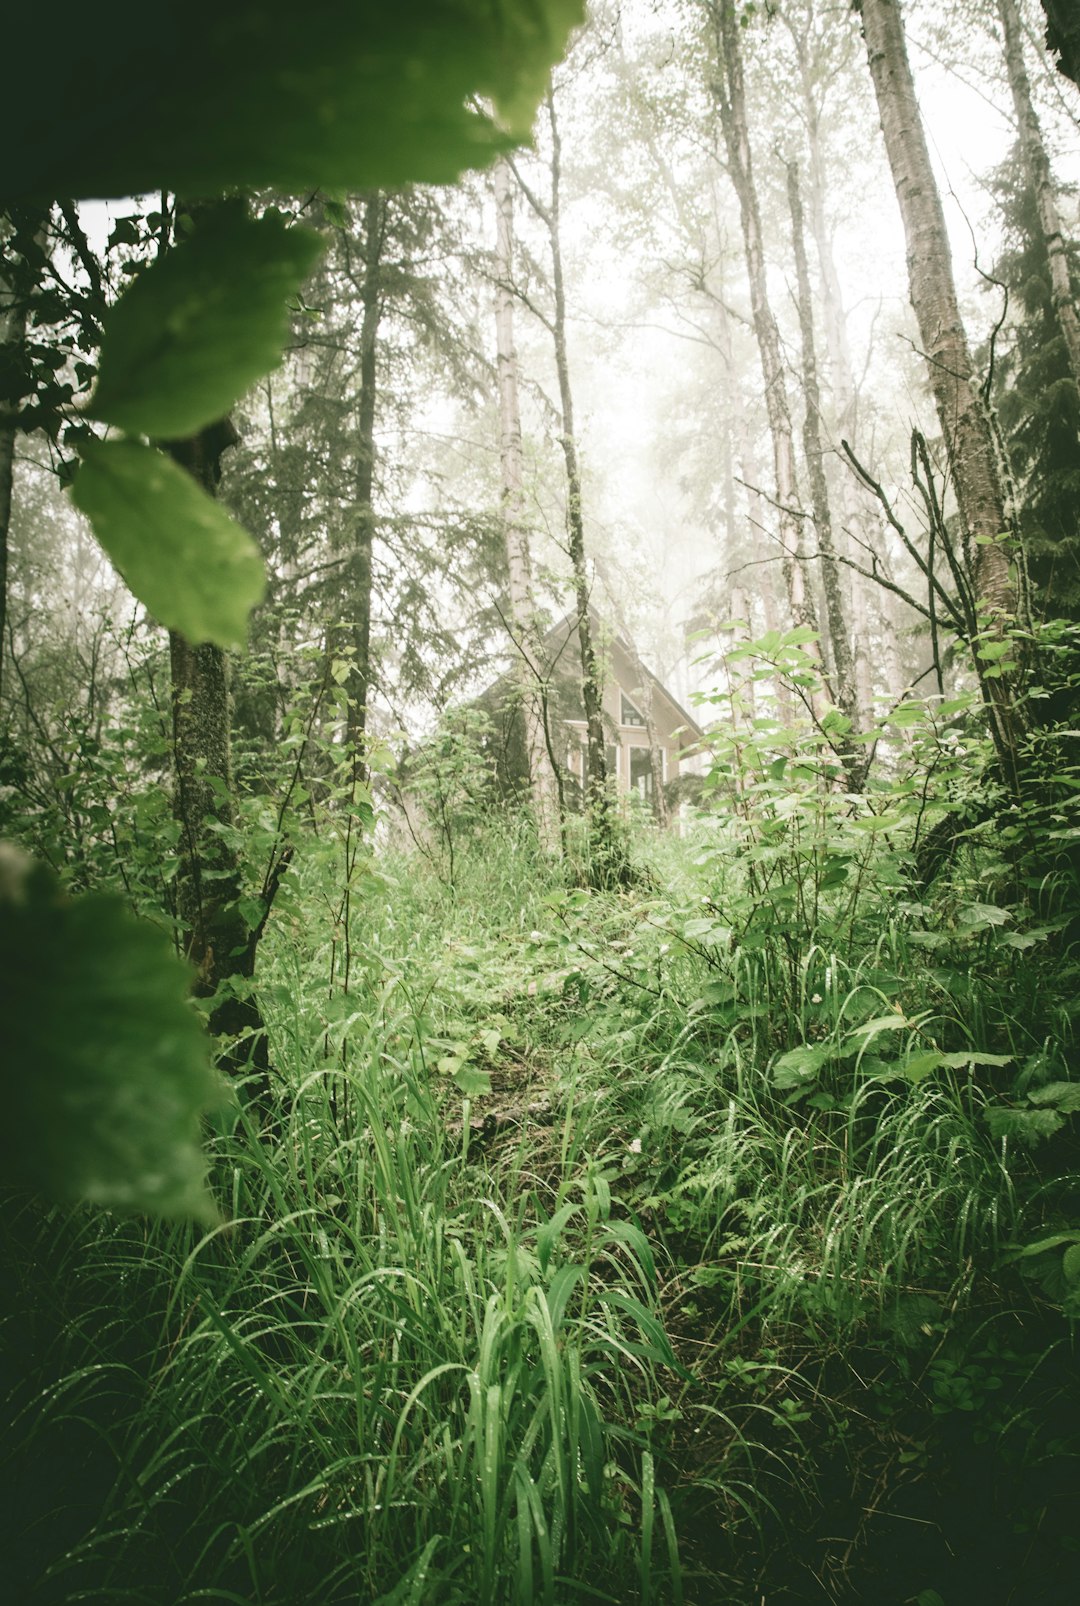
<point x="840" y="633"/>
<point x="731" y="100"/>
<point x="524" y="628"/>
<point x="962" y="413"/>
<point x="608" y="862"/>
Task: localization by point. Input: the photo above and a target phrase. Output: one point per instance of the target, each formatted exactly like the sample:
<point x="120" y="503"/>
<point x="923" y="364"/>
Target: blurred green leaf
<point x="195" y="569"/>
<point x="196" y="329"/>
<point x="472" y="1081"/>
<point x="106" y="1066"/>
<point x="202" y="97"/>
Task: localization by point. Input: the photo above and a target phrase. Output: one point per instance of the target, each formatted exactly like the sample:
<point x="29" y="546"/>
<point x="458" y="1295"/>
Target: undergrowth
<point x="712" y="1240"/>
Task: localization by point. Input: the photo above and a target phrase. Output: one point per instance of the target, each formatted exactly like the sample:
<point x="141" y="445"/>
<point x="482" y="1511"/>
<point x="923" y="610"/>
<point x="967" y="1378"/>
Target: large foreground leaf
<point x="199" y="96"/>
<point x="182" y="555"/>
<point x="198" y="328"/>
<point x="105" y="1067"/>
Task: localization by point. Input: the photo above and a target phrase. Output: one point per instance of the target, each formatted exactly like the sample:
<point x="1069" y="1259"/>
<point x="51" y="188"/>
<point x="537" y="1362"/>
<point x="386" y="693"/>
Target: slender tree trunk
<point x="962" y="414"/>
<point x="953" y="381"/>
<point x="12" y="338"/>
<point x="841" y="372"/>
<point x="767" y="587"/>
<point x="609" y="865"/>
<point x="1037" y="166"/>
<point x="355" y="631"/>
<point x="731" y="97"/>
<point x="523" y="619"/>
<point x="836" y="612"/>
<point x="217" y="939"/>
<point x="14" y="308"/>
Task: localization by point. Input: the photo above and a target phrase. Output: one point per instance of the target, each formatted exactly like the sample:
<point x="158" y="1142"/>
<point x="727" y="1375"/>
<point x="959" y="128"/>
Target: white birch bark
<point x="524" y="628"/>
<point x="731" y="98"/>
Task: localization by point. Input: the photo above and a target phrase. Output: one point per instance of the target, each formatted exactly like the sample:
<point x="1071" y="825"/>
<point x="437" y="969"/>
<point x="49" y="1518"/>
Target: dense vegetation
<point x="437" y="1173"/>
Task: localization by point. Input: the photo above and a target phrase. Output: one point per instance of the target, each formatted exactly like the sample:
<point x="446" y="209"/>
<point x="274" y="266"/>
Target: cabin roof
<point x="626" y="675"/>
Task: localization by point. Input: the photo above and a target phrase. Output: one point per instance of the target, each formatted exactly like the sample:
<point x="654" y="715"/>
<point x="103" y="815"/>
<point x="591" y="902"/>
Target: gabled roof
<point x="565" y="630"/>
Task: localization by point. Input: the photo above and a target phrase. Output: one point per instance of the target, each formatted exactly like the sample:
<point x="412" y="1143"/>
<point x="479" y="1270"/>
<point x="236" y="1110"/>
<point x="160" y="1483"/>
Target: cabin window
<point x="630" y="715"/>
<point x="641" y="772"/>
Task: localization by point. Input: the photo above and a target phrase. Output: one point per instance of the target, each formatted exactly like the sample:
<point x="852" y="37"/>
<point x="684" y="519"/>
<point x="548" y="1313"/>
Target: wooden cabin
<point x="650" y="737"/>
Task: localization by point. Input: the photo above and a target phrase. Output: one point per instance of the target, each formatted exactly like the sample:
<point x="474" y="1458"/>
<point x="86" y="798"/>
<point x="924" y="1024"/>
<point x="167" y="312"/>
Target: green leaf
<point x="252" y="911"/>
<point x="881" y="1023"/>
<point x="1042" y="1245"/>
<point x="906" y="715"/>
<point x="195" y="569"/>
<point x="105" y="1065"/>
<point x="914" y="1067"/>
<point x="964" y="1059"/>
<point x="977" y="916"/>
<point x="1026" y="1126"/>
<point x="800" y="1065"/>
<point x="472" y="1081"/>
<point x="196" y="329"/>
<point x="1063" y="1096"/>
<point x="205" y="97"/>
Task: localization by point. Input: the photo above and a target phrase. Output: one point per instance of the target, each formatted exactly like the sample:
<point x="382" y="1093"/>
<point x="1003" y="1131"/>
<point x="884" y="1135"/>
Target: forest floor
<point x="595" y="1260"/>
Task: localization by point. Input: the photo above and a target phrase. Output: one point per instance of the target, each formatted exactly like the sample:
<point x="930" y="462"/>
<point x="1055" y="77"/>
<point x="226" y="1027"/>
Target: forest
<point x="540" y="803"/>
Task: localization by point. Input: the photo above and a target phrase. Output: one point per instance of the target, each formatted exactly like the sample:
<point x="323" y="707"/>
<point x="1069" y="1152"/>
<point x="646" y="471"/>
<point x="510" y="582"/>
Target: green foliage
<point x="196" y="570"/>
<point x="197" y="99"/>
<point x="200" y="325"/>
<point x="1038" y="401"/>
<point x="107" y="1070"/>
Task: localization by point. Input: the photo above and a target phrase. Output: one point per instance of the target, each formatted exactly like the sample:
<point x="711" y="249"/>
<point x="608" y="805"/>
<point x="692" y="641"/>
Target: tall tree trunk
<point x="767" y="588"/>
<point x="963" y="419"/>
<point x="731" y="98"/>
<point x="354" y="633"/>
<point x="962" y="414"/>
<point x="852" y="756"/>
<point x="608" y="862"/>
<point x="217" y="939"/>
<point x="12" y="339"/>
<point x="30" y="224"/>
<point x="1037" y="167"/>
<point x="841" y="373"/>
<point x="523" y="618"/>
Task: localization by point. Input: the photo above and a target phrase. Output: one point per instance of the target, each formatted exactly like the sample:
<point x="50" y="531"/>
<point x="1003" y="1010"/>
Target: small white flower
<point x="635" y="1145"/>
<point x="536" y="936"/>
<point x="816" y="999"/>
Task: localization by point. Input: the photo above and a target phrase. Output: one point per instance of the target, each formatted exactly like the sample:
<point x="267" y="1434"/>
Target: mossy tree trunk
<point x="217" y="938"/>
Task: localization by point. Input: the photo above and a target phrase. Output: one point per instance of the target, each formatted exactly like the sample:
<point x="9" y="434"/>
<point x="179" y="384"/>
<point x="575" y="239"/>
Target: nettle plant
<point x="814" y="928"/>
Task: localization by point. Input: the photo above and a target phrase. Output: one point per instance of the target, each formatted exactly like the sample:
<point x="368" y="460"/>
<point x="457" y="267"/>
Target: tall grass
<point x="424" y="1360"/>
